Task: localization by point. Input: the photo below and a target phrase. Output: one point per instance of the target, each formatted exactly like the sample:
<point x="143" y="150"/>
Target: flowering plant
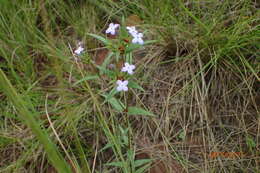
<point x="119" y="64"/>
<point x="120" y="69"/>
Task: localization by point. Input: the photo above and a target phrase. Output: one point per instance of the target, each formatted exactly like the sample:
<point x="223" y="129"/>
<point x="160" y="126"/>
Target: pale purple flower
<point x="79" y="50"/>
<point x="132" y="30"/>
<point x="122" y="85"/>
<point x="129" y="68"/>
<point x="112" y="28"/>
<point x="138" y="39"/>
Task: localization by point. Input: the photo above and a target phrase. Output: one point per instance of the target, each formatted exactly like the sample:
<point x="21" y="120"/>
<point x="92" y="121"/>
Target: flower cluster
<point x="117" y="64"/>
<point x="129" y="68"/>
<point x="137" y="37"/>
<point x="122" y="85"/>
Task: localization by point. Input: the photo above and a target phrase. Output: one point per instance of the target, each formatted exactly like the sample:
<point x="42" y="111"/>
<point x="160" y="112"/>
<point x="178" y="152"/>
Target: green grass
<point x="200" y="79"/>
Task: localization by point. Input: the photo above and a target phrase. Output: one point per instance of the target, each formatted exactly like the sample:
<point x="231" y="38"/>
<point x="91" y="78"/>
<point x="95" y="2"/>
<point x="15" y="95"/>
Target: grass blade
<point x="54" y="155"/>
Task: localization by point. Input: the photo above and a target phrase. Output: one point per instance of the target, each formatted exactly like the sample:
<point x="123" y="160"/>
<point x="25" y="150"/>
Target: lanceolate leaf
<point x="110" y="95"/>
<point x="85" y="78"/>
<point x="143" y="168"/>
<point x="100" y="38"/>
<point x="117" y="164"/>
<point x="132" y="47"/>
<point x="141" y="162"/>
<point x="150" y="42"/>
<point x="107" y="60"/>
<point x="133" y="84"/>
<point x="109" y="73"/>
<point x="118" y="105"/>
<point x="139" y="111"/>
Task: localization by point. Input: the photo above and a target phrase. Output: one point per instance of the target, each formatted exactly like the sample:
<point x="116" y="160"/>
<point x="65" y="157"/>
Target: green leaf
<point x="100" y="38"/>
<point x="150" y="42"/>
<point x="132" y="47"/>
<point x="5" y="140"/>
<point x="108" y="145"/>
<point x="107" y="60"/>
<point x="250" y="142"/>
<point x="11" y="115"/>
<point x="117" y="104"/>
<point x="182" y="135"/>
<point x="110" y="95"/>
<point x="117" y="56"/>
<point x="129" y="57"/>
<point x="117" y="164"/>
<point x="138" y="111"/>
<point x="85" y="78"/>
<point x="133" y="84"/>
<point x="130" y="154"/>
<point x="141" y="162"/>
<point x="109" y="73"/>
<point x="142" y="169"/>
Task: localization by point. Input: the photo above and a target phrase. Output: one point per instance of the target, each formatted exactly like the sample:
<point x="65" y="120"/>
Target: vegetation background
<point x="200" y="79"/>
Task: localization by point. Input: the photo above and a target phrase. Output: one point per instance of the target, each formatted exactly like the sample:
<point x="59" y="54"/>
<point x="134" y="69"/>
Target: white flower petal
<point x="125" y="83"/>
<point x="108" y="31"/>
<point x="132" y="67"/>
<point x="79" y="50"/>
<point x="124" y="69"/>
<point x="130" y="72"/>
<point x="128" y="68"/>
<point x="140" y="35"/>
<point x="132" y="30"/>
<point x="140" y="41"/>
<point x="116" y="26"/>
<point x="118" y="82"/>
<point x="135" y="40"/>
<point x="113" y="32"/>
<point x="133" y="34"/>
<point x="119" y="88"/>
<point x="125" y="88"/>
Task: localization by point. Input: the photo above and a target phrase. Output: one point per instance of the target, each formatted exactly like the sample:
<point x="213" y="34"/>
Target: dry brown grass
<point x="215" y="111"/>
